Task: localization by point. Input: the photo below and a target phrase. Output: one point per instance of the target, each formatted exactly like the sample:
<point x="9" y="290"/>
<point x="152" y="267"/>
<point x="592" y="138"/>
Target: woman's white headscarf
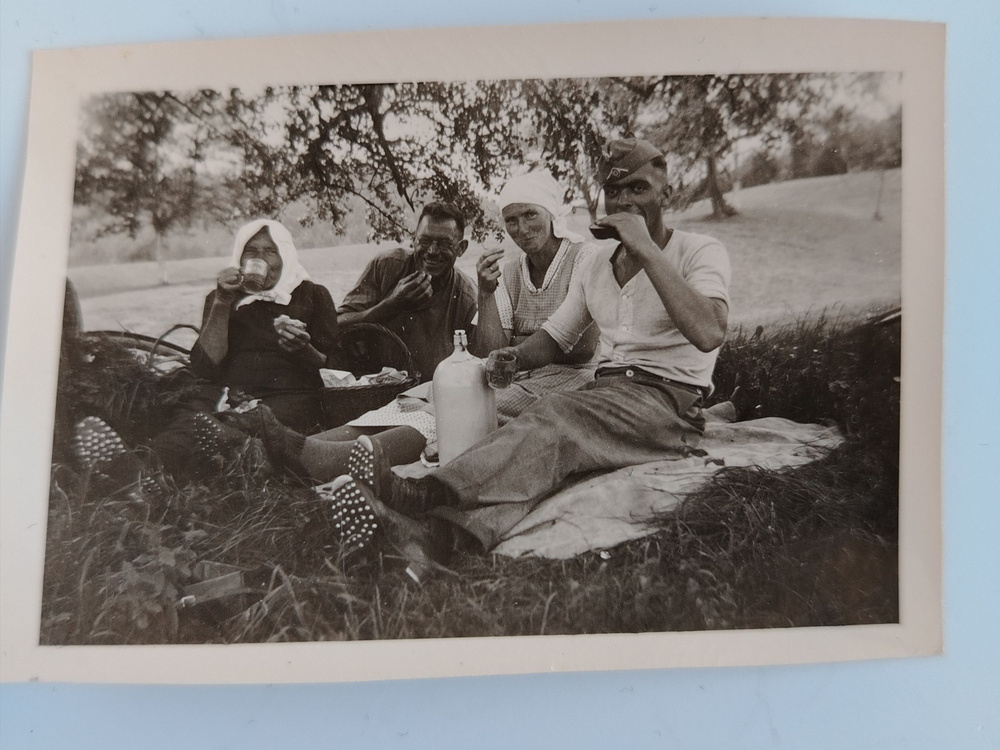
<point x="540" y="189"/>
<point x="292" y="272"/>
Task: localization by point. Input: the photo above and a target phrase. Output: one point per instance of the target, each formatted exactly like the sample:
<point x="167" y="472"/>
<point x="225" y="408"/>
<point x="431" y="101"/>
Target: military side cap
<point x="622" y="157"/>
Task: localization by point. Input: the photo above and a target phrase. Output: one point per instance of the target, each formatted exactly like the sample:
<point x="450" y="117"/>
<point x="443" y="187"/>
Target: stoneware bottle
<point x="465" y="406"/>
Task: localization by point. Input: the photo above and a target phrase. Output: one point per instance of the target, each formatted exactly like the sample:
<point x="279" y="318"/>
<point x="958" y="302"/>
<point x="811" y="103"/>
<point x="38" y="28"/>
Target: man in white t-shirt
<point x="660" y="299"/>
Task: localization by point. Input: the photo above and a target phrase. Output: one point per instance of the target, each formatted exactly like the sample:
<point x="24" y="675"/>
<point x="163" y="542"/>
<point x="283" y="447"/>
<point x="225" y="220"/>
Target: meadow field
<point x="796" y="246"/>
<point x="815" y="545"/>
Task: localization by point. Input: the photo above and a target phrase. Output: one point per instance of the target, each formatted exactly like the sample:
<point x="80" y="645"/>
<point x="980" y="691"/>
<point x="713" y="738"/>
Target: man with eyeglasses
<point x="418" y="294"/>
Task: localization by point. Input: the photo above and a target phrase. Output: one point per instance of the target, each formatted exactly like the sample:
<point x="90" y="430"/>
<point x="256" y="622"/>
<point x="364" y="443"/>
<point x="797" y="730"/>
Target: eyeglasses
<point x="441" y="245"/>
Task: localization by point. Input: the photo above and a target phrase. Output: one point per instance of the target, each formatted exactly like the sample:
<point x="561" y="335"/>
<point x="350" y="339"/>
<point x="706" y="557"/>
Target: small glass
<point x="501" y="367"/>
<point x="253" y="275"/>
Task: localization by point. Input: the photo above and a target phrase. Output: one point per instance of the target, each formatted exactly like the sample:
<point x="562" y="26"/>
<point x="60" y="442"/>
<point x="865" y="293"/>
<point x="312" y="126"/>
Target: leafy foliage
<point x="142" y="158"/>
<point x="761" y="169"/>
<point x="171" y="158"/>
<point x="702" y="117"/>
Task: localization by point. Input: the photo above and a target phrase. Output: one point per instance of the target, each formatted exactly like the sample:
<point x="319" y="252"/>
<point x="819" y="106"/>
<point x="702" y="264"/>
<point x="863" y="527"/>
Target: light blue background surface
<point x="945" y="702"/>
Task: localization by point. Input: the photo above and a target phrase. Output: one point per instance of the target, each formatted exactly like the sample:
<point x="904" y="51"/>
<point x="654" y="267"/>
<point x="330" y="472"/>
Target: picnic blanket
<point x="602" y="511"/>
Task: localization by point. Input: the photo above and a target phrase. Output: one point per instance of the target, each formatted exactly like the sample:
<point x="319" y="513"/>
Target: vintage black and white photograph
<point x="280" y="416"/>
<point x="479" y="357"/>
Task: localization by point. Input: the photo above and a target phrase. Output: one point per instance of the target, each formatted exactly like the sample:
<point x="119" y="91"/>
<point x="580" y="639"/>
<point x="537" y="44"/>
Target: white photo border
<point x="62" y="79"/>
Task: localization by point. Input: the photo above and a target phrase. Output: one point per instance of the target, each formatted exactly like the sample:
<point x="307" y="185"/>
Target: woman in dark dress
<point x="271" y="343"/>
<point x="267" y="342"/>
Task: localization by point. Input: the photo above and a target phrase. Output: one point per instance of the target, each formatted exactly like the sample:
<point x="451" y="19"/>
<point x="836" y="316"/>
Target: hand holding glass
<point x="501" y="367"/>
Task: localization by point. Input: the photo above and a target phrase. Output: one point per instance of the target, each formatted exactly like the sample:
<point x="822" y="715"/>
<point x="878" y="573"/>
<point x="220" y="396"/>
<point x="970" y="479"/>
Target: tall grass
<point x="828" y="369"/>
<point x="813" y="545"/>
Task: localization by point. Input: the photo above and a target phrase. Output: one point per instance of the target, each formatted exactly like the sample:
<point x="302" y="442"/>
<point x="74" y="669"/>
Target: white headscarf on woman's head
<point x="292" y="272"/>
<point x="541" y="189"/>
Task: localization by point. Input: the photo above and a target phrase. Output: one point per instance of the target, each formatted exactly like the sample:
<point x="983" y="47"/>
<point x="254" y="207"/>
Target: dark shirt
<point x="254" y="360"/>
<point x="427" y="333"/>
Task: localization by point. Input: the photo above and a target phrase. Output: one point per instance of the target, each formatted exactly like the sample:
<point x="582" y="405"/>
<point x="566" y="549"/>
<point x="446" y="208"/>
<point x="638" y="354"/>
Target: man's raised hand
<point x="412" y="291"/>
<point x="632" y="230"/>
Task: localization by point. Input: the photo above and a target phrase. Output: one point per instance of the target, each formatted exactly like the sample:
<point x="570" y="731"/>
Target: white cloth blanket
<point x="602" y="511"/>
<point x="606" y="510"/>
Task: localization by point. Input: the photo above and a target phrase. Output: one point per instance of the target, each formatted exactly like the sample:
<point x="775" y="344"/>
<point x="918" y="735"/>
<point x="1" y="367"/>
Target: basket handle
<point x="381" y="329"/>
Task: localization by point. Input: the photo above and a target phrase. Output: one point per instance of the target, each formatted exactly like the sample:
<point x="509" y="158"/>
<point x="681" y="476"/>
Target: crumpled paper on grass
<point x="345" y="379"/>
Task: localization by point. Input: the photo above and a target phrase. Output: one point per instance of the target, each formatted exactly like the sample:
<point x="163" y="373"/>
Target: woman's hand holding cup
<point x="227" y="284"/>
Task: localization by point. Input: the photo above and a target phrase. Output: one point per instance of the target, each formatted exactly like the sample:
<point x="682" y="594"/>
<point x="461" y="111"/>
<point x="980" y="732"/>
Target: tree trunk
<point x="161" y="264"/>
<point x="592" y="198"/>
<point x="720" y="209"/>
<point x="878" y="201"/>
<point x="800" y="154"/>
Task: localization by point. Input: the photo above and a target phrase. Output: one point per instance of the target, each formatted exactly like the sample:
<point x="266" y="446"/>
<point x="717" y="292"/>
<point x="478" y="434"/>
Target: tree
<point x="759" y="170"/>
<point x="392" y="146"/>
<point x="397" y="145"/>
<point x="571" y="121"/>
<point x="138" y="160"/>
<point x="867" y="145"/>
<point x="829" y="162"/>
<point x="700" y="118"/>
<point x="168" y="158"/>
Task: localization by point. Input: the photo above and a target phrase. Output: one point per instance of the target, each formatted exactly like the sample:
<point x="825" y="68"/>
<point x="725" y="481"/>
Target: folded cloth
<point x="602" y="511"/>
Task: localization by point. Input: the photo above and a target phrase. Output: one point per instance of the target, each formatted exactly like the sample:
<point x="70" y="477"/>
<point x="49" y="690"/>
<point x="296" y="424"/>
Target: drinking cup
<point x="253" y="275"/>
<point x="501" y="367"/>
<point x="602" y="232"/>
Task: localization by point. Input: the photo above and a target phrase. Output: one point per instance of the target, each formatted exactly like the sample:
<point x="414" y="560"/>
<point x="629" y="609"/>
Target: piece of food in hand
<point x="283" y="323"/>
<point x="490" y="261"/>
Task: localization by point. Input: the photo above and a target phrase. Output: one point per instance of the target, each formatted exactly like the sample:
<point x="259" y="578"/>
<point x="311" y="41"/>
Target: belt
<point x="631" y="372"/>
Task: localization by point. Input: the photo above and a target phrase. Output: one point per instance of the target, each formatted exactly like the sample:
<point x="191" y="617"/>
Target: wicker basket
<point x="363" y="349"/>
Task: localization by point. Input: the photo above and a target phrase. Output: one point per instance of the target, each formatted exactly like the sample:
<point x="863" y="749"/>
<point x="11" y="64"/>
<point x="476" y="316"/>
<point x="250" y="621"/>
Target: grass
<point x="809" y="244"/>
<point x="814" y="545"/>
